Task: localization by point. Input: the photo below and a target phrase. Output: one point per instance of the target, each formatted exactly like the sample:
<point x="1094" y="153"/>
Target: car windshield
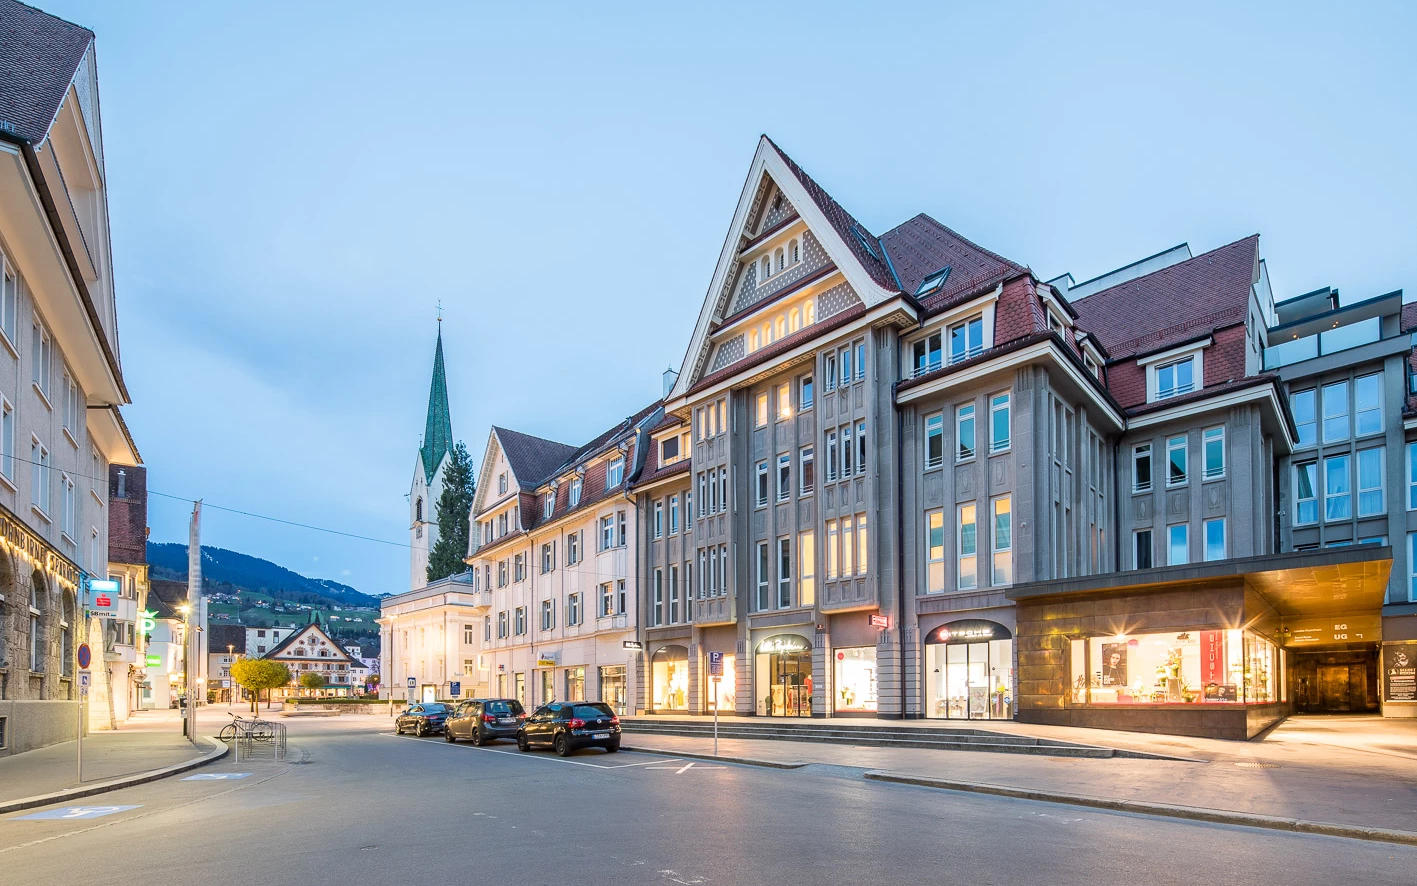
<point x="504" y="708"/>
<point x="592" y="711"/>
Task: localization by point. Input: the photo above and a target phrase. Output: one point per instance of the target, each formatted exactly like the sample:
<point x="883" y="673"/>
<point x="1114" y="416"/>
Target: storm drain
<point x="1249" y="765"/>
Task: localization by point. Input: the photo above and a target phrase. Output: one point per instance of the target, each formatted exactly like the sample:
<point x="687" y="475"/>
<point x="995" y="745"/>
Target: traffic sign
<point x="715" y="662"/>
<point x="85" y="656"/>
<point x="455" y="688"/>
<point x="412" y="682"/>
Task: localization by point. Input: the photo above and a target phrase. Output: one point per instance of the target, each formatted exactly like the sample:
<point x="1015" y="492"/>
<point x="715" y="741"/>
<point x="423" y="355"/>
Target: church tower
<point x="428" y="472"/>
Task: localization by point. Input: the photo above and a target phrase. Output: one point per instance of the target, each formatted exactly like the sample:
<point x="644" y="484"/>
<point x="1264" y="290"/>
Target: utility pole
<point x="194" y="599"/>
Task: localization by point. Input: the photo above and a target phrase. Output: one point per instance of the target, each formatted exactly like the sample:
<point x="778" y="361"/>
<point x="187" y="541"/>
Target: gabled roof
<point x="1175" y="304"/>
<point x="922" y="246"/>
<point x="438" y="433"/>
<point x="301" y="632"/>
<point x="532" y="459"/>
<point x="39" y="55"/>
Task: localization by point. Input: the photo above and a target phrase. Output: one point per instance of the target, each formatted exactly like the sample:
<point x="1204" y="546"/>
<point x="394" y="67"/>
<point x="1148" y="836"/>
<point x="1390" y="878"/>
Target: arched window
<point x="766" y="267"/>
<point x="794" y="251"/>
<point x="781" y="259"/>
<point x="767" y="334"/>
<point x="418" y="511"/>
<point x="39" y="596"/>
<point x="794" y="320"/>
<point x="781" y="326"/>
<point x="753" y="340"/>
<point x="68" y="627"/>
<point x="809" y="313"/>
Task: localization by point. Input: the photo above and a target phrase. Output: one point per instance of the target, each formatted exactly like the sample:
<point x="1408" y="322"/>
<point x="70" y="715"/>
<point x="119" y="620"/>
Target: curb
<point x="1191" y="813"/>
<point x="218" y="751"/>
<point x="746" y="761"/>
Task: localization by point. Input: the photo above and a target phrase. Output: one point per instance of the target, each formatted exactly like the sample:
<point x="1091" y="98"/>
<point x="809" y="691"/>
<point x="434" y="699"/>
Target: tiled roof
<point x="221" y="636"/>
<point x="844" y="224"/>
<point x="1210" y="390"/>
<point x="39" y="55"/>
<point x="1174" y="304"/>
<point x="533" y="459"/>
<point x="922" y="246"/>
<point x="1409" y="316"/>
<point x="300" y="632"/>
<point x="438" y="434"/>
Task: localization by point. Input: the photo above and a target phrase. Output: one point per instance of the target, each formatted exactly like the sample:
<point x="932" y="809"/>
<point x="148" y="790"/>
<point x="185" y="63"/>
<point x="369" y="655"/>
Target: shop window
<point x="1215" y="539"/>
<point x="1370" y="482"/>
<point x="1338" y="499"/>
<point x="1176" y="461"/>
<point x="1141" y="467"/>
<point x="807" y="568"/>
<point x="1302" y="404"/>
<point x="935" y="445"/>
<point x="1213" y="449"/>
<point x="1141" y="546"/>
<point x="969" y="671"/>
<point x="1003" y="541"/>
<point x="964" y="432"/>
<point x="967" y="545"/>
<point x="1178" y="545"/>
<point x="1412" y="566"/>
<point x="1201" y="667"/>
<point x="1368" y="400"/>
<point x="1335" y="404"/>
<point x="1306" y="503"/>
<point x="934" y="552"/>
<point x="856" y="680"/>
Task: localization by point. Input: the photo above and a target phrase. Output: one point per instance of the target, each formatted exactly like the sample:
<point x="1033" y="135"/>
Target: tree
<point x="312" y="680"/>
<point x="453" y="515"/>
<point x="255" y="674"/>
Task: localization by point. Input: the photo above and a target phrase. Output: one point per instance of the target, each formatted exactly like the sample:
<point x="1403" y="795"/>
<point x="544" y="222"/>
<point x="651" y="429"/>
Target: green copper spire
<point x="438" y="435"/>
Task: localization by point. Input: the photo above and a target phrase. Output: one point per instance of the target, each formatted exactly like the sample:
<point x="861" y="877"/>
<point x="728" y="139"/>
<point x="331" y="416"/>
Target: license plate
<point x="507" y="721"/>
<point x="601" y="735"/>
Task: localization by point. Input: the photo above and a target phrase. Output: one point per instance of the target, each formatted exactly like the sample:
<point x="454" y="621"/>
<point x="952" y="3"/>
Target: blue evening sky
<point x="295" y="186"/>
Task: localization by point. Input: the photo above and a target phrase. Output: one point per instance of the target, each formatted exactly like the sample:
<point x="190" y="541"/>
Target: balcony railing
<point x="956" y="357"/>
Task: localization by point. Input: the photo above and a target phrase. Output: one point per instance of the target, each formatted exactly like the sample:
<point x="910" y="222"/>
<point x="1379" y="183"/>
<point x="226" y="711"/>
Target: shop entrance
<point x="669" y="673"/>
<point x="970" y="671"/>
<point x="784" y="672"/>
<point x="1339" y="680"/>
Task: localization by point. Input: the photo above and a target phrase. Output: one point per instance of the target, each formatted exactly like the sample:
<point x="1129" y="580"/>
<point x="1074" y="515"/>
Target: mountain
<point x="244" y="572"/>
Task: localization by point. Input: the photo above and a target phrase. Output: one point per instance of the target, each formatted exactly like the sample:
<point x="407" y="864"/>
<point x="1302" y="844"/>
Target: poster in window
<point x="1114" y="664"/>
<point x="1400" y="672"/>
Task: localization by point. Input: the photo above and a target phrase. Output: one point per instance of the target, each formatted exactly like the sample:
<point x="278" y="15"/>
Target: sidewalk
<point x="1359" y="772"/>
<point x="149" y="740"/>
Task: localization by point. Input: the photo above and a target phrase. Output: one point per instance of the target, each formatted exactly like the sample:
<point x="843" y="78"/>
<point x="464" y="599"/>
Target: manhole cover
<point x="1258" y="765"/>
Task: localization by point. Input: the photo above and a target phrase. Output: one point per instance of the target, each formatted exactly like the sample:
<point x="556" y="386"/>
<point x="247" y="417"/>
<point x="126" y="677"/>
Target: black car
<point x="485" y="719"/>
<point x="568" y="725"/>
<point x="423" y="719"/>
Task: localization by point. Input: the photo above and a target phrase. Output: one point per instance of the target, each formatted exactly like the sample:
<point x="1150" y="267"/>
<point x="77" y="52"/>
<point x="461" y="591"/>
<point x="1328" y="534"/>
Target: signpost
<point x="454" y="688"/>
<point x="84" y="656"/>
<point x="412" y="688"/>
<point x="715" y="663"/>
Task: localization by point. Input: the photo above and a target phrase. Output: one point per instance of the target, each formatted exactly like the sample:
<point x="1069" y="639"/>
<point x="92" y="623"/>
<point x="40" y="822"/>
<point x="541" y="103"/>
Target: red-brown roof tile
<point x="922" y="246"/>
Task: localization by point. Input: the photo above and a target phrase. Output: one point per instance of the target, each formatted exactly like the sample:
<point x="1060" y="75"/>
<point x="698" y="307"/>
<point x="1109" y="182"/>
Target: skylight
<point x="934" y="281"/>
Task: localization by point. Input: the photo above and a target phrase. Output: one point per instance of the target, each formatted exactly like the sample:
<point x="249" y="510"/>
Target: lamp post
<point x="231" y="687"/>
<point x="392" y="683"/>
<point x="186" y="664"/>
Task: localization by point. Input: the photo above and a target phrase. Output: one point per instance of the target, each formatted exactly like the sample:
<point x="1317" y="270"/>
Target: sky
<point x="295" y="187"/>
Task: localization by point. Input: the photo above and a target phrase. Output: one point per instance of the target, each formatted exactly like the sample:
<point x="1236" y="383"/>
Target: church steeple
<point x="438" y="434"/>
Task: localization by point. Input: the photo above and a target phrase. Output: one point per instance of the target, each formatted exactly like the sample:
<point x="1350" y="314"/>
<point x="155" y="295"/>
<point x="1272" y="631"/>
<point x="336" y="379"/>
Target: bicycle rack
<point x="254" y="737"/>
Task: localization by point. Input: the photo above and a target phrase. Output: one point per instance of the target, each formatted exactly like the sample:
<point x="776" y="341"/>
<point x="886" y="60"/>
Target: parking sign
<point x="715" y="662"/>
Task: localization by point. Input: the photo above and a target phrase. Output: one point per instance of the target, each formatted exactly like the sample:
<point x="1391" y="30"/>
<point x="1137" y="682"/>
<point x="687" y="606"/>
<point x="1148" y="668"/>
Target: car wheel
<point x="561" y="746"/>
<point x="612" y="747"/>
<point x="398" y="728"/>
<point x="476" y="737"/>
<point x="418" y="729"/>
<point x="522" y="744"/>
<point x="448" y="735"/>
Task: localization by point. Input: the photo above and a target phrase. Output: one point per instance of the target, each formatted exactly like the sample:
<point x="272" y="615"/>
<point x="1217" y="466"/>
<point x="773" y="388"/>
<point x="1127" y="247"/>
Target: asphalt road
<point x="355" y="806"/>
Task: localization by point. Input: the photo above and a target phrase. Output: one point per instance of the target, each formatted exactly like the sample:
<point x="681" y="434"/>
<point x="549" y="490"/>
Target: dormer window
<point x="575" y="492"/>
<point x="1091" y="366"/>
<point x="1176" y="378"/>
<point x="615" y="472"/>
<point x="967" y="339"/>
<point x="548" y="504"/>
<point x="927" y="354"/>
<point x="1175" y="372"/>
<point x="933" y="282"/>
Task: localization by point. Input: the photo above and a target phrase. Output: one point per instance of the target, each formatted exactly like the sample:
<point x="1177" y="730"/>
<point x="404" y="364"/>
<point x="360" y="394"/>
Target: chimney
<point x="670" y="377"/>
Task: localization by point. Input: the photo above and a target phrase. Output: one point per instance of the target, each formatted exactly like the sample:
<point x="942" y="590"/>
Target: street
<point x="354" y="804"/>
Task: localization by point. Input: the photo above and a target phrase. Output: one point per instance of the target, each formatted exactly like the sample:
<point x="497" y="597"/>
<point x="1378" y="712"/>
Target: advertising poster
<point x="1114" y="664"/>
<point x="1212" y="657"/>
<point x="1400" y="672"/>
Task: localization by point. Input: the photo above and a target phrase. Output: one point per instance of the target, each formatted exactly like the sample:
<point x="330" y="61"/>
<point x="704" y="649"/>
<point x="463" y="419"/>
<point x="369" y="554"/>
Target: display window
<point x="784" y="676"/>
<point x="1204" y="667"/>
<point x="669" y="674"/>
<point x="612" y="687"/>
<point x="856" y="679"/>
<point x="969" y="669"/>
<point x="724" y="699"/>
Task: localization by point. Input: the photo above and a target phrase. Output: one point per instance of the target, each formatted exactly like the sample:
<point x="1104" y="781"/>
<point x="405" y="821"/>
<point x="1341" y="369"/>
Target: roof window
<point x="934" y="281"/>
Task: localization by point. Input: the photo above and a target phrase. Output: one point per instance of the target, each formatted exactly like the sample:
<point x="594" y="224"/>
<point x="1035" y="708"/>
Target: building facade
<point x="61" y="382"/>
<point x="117" y="618"/>
<point x="429" y="636"/>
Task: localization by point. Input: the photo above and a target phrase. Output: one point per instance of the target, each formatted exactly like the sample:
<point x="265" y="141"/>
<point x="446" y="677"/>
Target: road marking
<point x="69" y="813"/>
<point x="216" y="776"/>
<point x="521" y="756"/>
<point x="685" y="768"/>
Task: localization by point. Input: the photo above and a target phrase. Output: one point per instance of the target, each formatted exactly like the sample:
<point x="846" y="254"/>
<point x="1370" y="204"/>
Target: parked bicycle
<point x="256" y="729"/>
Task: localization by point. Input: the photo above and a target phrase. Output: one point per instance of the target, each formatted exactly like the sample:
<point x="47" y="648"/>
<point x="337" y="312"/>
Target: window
<point x="934" y="552"/>
<point x="68" y="516"/>
<point x="1178" y="545"/>
<point x="501" y="626"/>
<point x="1003" y="541"/>
<point x="846" y="452"/>
<point x="575" y="492"/>
<point x="723" y="488"/>
<point x="1215" y="539"/>
<point x="41" y="355"/>
<point x="1306" y="503"/>
<point x="39" y="458"/>
<point x="933" y="282"/>
<point x="1412" y="566"/>
<point x="762" y="484"/>
<point x="781" y="259"/>
<point x="765" y="267"/>
<point x="784" y="401"/>
<point x="548" y="504"/>
<point x="831" y="372"/>
<point x="831" y="455"/>
<point x="615" y="472"/>
<point x="548" y="557"/>
<point x="1141" y="467"/>
<point x="620" y="521"/>
<point x="1368" y="400"/>
<point x="861" y="447"/>
<point x="502" y="483"/>
<point x="674" y="595"/>
<point x="804" y="393"/>
<point x="763" y="567"/>
<point x="7" y="439"/>
<point x="1141" y="549"/>
<point x="784" y="476"/>
<point x="1338" y="503"/>
<point x="967" y="339"/>
<point x="656" y="615"/>
<point x="1305" y="420"/>
<point x="487" y="628"/>
<point x="845" y="360"/>
<point x="659" y="519"/>
<point x="833" y="552"/>
<point x="548" y="615"/>
<point x="968" y="542"/>
<point x="862" y="545"/>
<point x="964" y="433"/>
<point x="999" y="422"/>
<point x="934" y="440"/>
<point x="860" y="360"/>
<point x="1370" y="482"/>
<point x="711" y="500"/>
<point x="760" y="411"/>
<point x="1213" y="448"/>
<point x="607" y="532"/>
<point x="573" y="549"/>
<point x="9" y="300"/>
<point x="806" y="569"/>
<point x="712" y="583"/>
<point x="1412" y="476"/>
<point x="784" y="574"/>
<point x="794" y="251"/>
<point x="72" y="407"/>
<point x="521" y="620"/>
<point x="519" y="567"/>
<point x="926" y="354"/>
<point x="1174" y="379"/>
<point x="808" y="478"/>
<point x="1336" y="411"/>
<point x="669" y="450"/>
<point x="1176" y="461"/>
<point x="607" y="599"/>
<point x="673" y="515"/>
<point x="848" y="547"/>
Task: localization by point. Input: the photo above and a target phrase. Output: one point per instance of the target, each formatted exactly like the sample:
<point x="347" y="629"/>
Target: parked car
<point x="485" y="719"/>
<point x="568" y="726"/>
<point x="422" y="719"/>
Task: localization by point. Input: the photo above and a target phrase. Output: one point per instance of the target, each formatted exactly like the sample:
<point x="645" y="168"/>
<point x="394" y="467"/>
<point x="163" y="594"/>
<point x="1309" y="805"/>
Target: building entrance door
<point x="1334" y="681"/>
<point x="1333" y="689"/>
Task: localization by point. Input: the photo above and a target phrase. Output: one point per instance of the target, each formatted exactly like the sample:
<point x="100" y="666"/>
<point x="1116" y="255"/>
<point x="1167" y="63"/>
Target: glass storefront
<point x="575" y="684"/>
<point x="784" y="676"/>
<point x="670" y="679"/>
<point x="1207" y="666"/>
<point x="969" y="671"/>
<point x="548" y="687"/>
<point x="726" y="687"/>
<point x="612" y="687"/>
<point x="856" y="679"/>
<point x="521" y="687"/>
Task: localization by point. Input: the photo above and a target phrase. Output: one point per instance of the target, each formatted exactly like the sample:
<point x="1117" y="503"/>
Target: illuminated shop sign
<point x="34" y="550"/>
<point x="783" y="643"/>
<point x="880" y="621"/>
<point x="971" y="630"/>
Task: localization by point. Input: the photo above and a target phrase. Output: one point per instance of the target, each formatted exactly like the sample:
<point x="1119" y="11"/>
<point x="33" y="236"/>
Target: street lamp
<point x="231" y="687"/>
<point x="186" y="664"/>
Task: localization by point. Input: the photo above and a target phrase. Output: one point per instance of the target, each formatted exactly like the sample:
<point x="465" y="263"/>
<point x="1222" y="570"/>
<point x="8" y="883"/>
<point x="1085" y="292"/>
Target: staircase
<point x="876" y="734"/>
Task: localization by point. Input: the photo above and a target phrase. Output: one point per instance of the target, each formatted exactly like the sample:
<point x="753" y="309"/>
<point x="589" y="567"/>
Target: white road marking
<point x="682" y="769"/>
